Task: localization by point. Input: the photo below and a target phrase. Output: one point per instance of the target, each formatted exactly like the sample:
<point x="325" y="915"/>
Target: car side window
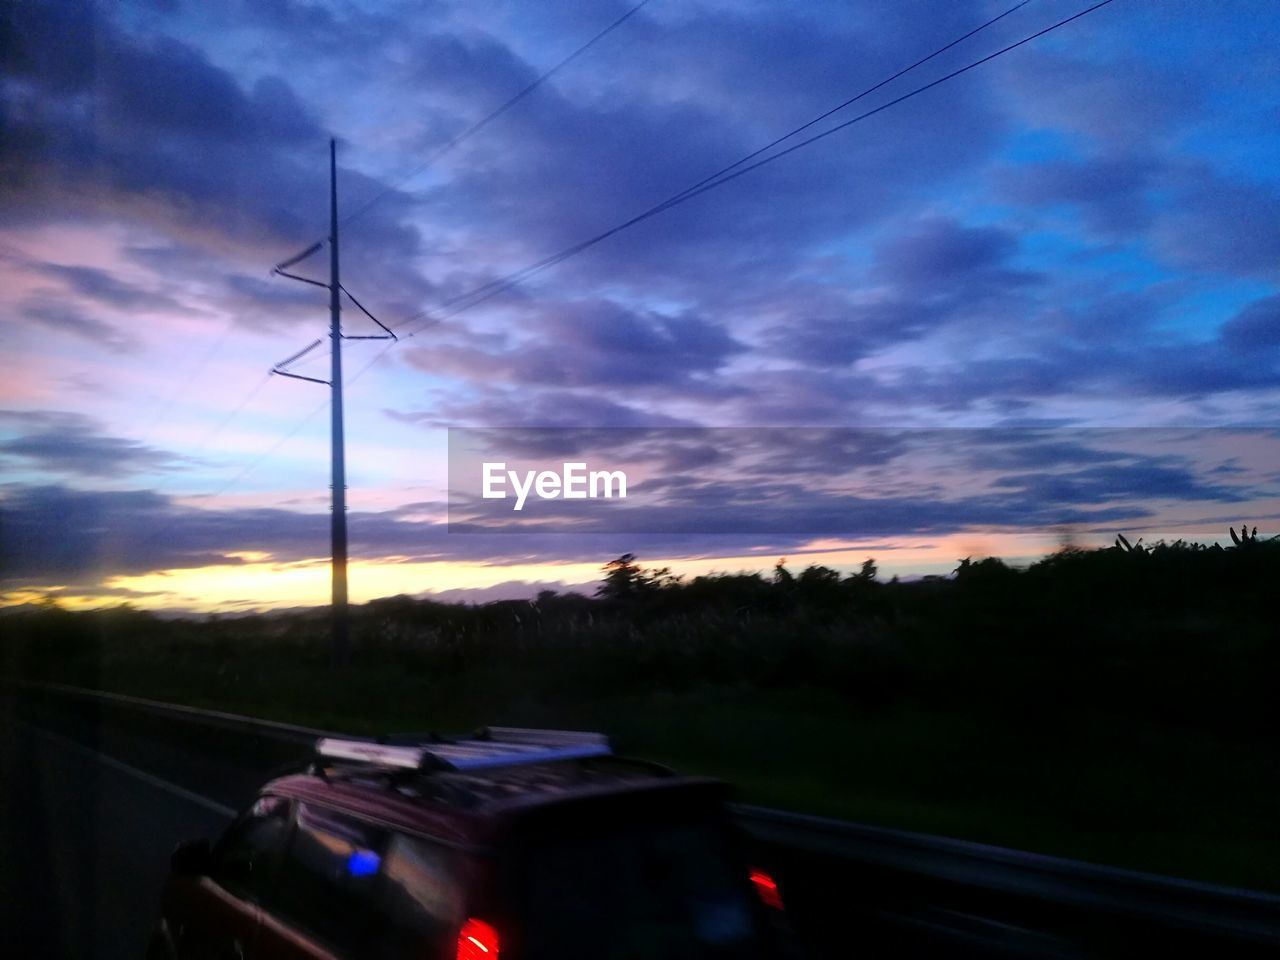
<point x="328" y="877"/>
<point x="245" y="858"/>
<point x="418" y="906"/>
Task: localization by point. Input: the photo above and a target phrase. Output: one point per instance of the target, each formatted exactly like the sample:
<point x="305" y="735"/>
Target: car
<point x="509" y="844"/>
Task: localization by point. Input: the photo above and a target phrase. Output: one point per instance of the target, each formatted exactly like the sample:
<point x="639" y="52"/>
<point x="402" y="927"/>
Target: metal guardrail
<point x="1210" y="909"/>
<point x="290" y="732"/>
<point x="997" y="874"/>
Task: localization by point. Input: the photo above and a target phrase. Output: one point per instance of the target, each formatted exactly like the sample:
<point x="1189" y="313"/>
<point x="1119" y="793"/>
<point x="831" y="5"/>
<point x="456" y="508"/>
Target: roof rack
<point x="489" y="747"/>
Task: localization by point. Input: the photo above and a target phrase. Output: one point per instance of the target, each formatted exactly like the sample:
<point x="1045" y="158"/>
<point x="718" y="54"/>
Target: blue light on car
<point x="363" y="863"/>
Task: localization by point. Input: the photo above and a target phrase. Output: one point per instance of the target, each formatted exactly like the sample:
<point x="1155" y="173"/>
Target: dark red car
<point x="511" y="845"/>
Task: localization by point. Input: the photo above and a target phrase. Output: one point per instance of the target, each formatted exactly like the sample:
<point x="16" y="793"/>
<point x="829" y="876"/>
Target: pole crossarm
<point x="293" y="276"/>
<point x="279" y="267"/>
<point x="298" y="356"/>
<point x="280" y="368"/>
<point x="298" y="376"/>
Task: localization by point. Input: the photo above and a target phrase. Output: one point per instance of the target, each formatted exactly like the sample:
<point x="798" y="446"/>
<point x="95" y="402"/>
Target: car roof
<point x="476" y="808"/>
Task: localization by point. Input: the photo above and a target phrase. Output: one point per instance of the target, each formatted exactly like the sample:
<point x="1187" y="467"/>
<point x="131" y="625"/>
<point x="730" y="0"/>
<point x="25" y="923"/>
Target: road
<point x="90" y="813"/>
<point x="95" y="798"/>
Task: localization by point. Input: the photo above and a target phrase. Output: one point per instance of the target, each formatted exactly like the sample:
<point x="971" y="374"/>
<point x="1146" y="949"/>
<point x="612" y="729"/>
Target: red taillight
<point x="477" y="940"/>
<point x="766" y="889"/>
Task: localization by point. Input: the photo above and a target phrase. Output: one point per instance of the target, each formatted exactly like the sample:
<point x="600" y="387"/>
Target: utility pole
<point x="338" y="525"/>
<point x="338" y="522"/>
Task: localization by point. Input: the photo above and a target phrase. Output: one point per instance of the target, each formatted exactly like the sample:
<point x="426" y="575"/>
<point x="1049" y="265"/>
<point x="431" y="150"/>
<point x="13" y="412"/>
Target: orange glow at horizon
<point x="259" y="583"/>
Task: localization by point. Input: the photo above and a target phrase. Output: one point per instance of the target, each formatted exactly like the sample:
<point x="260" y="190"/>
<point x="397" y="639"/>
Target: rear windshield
<point x="671" y="891"/>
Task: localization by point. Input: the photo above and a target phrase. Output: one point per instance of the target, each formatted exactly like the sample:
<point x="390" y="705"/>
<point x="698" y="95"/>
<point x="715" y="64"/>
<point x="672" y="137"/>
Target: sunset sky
<point x="1036" y="304"/>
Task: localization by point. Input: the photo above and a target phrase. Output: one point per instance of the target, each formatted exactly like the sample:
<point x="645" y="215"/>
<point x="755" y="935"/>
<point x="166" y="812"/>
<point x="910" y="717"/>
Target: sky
<point x="1035" y="305"/>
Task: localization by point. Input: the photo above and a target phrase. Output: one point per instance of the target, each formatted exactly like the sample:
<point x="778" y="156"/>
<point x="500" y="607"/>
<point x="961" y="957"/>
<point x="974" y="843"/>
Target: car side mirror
<point x="190" y="858"/>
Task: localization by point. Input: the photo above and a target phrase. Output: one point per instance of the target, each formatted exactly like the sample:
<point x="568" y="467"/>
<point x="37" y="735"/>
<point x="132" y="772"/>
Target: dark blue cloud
<point x="1255" y="330"/>
<point x="935" y="271"/>
<point x="1119" y="482"/>
<point x="520" y="407"/>
<point x="171" y="89"/>
<point x="859" y="331"/>
<point x="151" y="131"/>
<point x="105" y="288"/>
<point x="723" y="492"/>
<point x="612" y="347"/>
<point x="1221" y="224"/>
<point x="77" y="536"/>
<point x="940" y="253"/>
<point x="56" y="314"/>
<point x="857" y="482"/>
<point x="51" y="43"/>
<point x="73" y="444"/>
<point x="1110" y="193"/>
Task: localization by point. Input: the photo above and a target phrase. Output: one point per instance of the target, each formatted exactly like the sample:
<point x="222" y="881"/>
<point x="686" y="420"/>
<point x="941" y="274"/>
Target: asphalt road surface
<point x="89" y="814"/>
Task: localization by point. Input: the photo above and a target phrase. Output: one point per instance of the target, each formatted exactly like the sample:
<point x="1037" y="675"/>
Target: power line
<point x="475" y="127"/>
<point x="731" y="172"/>
<point x="675" y="198"/>
<point x="499" y="111"/>
<point x="854" y="99"/>
<point x="478" y="295"/>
